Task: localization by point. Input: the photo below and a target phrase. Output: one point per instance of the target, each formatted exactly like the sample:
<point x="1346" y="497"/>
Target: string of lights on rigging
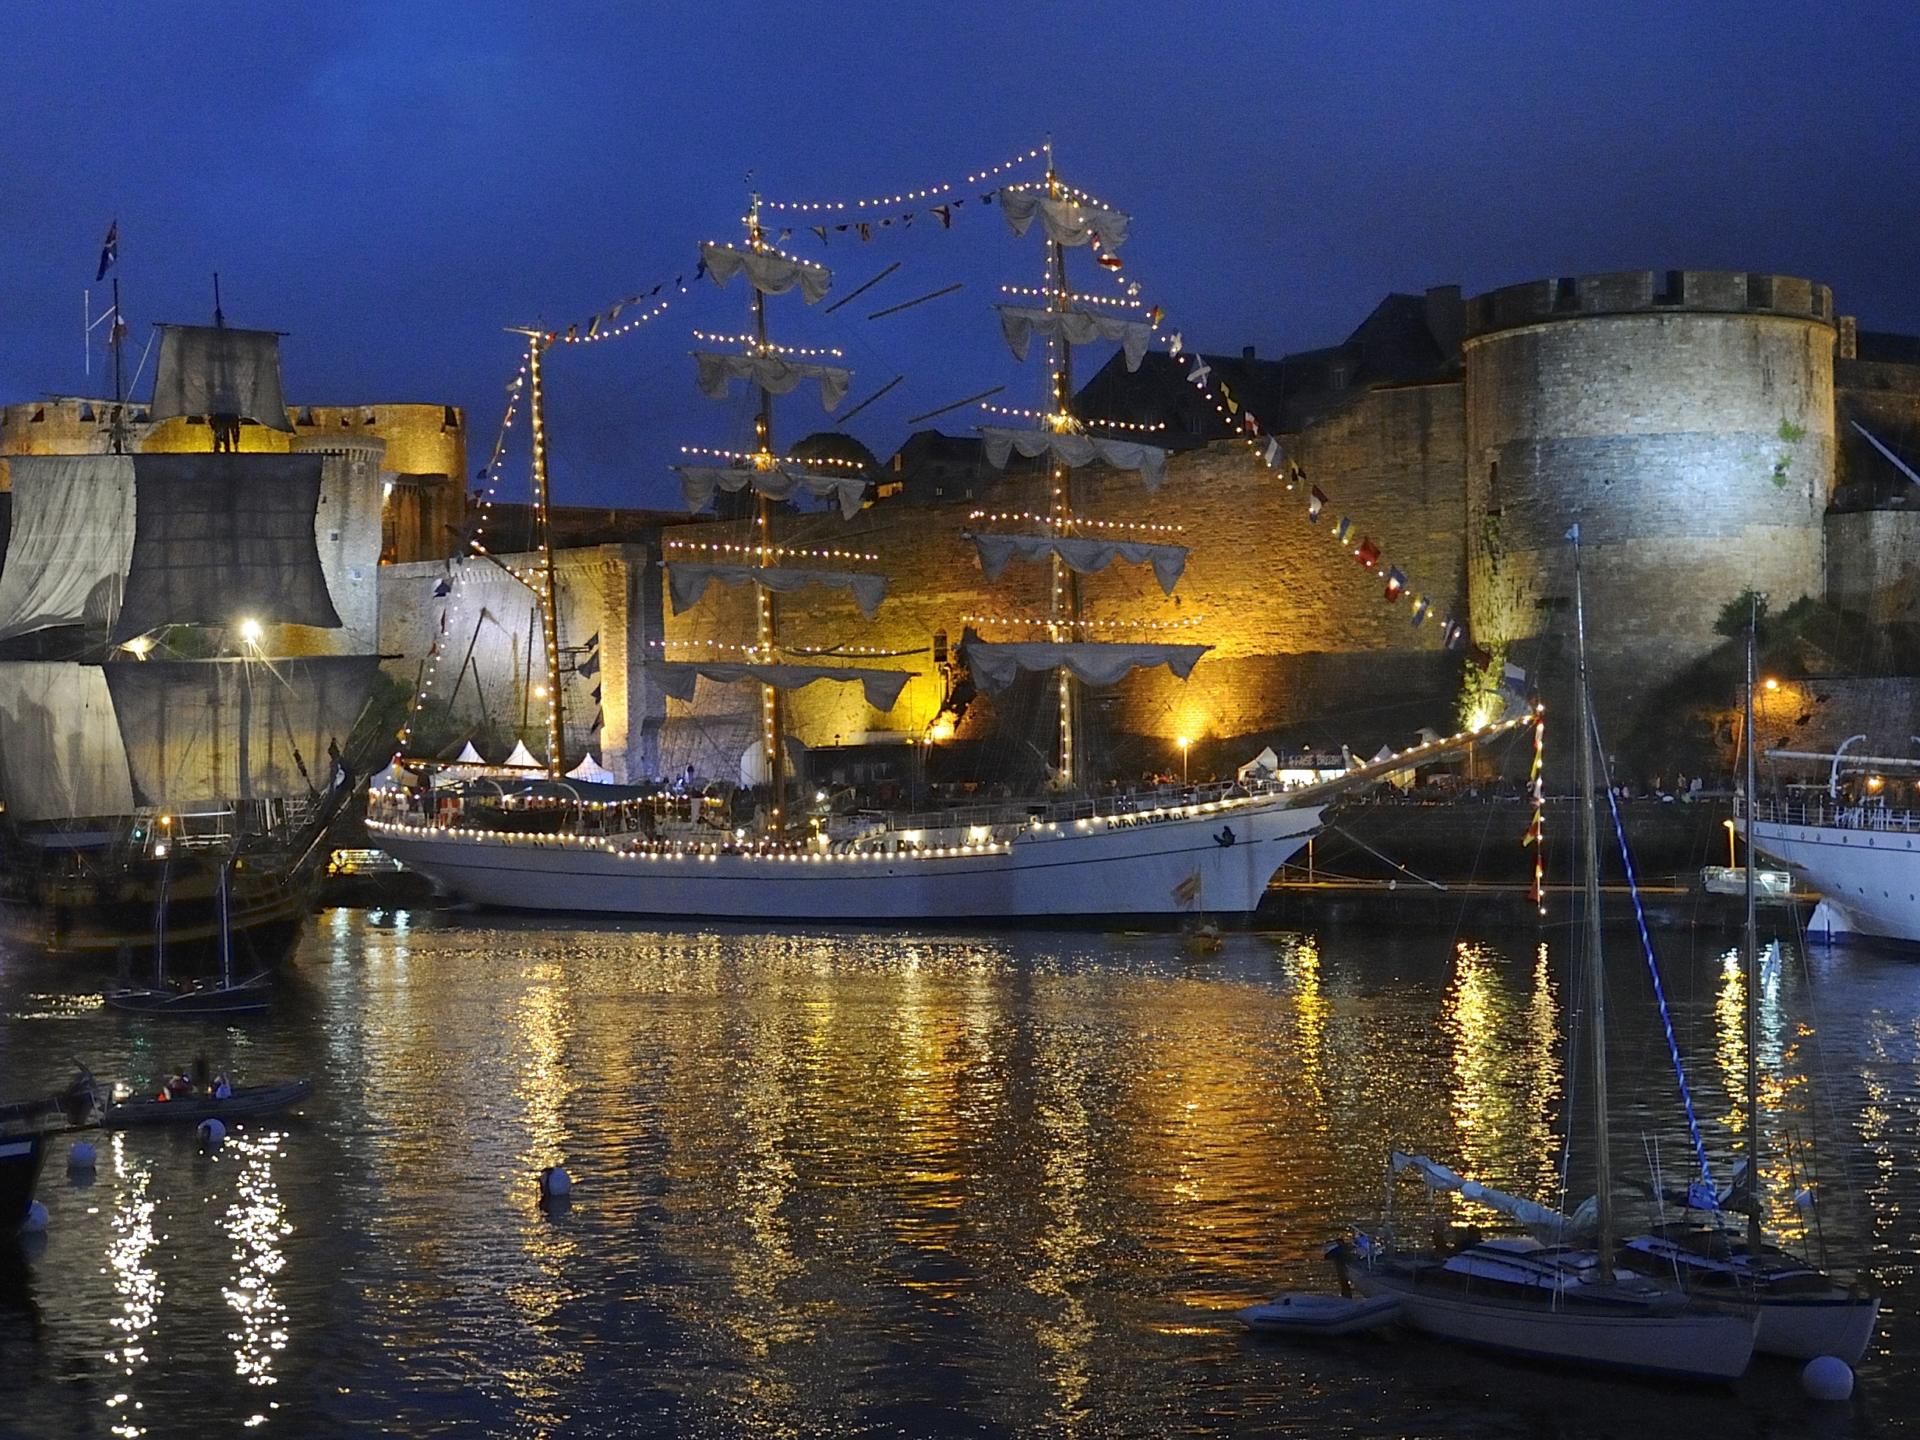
<point x="767" y="347"/>
<point x="924" y="192"/>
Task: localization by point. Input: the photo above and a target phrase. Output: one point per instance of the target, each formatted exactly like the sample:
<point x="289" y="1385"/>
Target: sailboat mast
<point x="547" y="592"/>
<point x="1752" y="964"/>
<point x="765" y="620"/>
<point x="1064" y="596"/>
<point x="1596" y="969"/>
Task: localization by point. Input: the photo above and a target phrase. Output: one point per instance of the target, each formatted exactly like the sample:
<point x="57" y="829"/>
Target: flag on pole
<point x="1420" y="607"/>
<point x="1396" y="582"/>
<point x="1316" y="502"/>
<point x="109" y="251"/>
<point x="1342" y="530"/>
<point x="1367" y="553"/>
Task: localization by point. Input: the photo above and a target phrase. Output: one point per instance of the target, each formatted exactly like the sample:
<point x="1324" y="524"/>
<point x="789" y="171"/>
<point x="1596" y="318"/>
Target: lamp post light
<point x="1185" y="743"/>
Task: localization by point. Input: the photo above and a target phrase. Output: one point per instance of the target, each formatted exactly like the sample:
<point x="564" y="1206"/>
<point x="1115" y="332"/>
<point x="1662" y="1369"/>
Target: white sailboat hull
<point x="1869" y="878"/>
<point x="1688" y="1345"/>
<point x="1140" y="865"/>
<point x="1805" y="1329"/>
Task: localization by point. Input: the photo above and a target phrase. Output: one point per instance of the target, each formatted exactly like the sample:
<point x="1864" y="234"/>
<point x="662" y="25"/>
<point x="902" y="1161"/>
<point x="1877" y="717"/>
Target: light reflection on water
<point x="861" y="1183"/>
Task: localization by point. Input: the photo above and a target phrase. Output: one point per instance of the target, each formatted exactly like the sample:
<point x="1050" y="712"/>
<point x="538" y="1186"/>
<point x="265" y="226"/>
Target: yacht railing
<point x="1826" y="814"/>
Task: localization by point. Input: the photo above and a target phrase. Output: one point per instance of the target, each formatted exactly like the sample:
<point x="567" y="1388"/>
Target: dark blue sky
<point x="393" y="183"/>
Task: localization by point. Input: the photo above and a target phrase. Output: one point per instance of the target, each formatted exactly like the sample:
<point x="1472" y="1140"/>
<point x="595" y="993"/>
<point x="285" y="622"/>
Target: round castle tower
<point x="1684" y="419"/>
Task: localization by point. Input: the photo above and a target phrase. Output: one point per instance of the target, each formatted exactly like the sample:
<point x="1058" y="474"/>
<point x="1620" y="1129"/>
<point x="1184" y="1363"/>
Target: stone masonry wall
<point x="1300" y="629"/>
<point x="1695" y="449"/>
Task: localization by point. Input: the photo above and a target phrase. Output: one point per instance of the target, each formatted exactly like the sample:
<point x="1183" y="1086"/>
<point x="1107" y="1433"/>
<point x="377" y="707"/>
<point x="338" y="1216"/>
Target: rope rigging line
<point x="1653" y="964"/>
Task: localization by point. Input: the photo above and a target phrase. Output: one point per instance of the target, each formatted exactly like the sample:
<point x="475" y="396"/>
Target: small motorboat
<point x="245" y="1101"/>
<point x="1305" y="1313"/>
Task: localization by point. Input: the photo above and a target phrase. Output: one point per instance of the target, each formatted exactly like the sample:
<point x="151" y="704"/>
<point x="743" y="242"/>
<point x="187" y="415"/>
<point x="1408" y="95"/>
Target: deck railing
<point x="1832" y="815"/>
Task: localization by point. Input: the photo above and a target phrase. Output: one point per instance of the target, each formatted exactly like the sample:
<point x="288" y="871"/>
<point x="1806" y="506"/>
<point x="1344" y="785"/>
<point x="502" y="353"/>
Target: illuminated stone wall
<point x="493" y="661"/>
<point x="1684" y="419"/>
<point x="1300" y="630"/>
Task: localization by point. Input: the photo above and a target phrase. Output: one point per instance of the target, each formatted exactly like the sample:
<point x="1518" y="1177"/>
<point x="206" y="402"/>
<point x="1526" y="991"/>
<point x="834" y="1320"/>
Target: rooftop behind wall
<point x="1635" y="292"/>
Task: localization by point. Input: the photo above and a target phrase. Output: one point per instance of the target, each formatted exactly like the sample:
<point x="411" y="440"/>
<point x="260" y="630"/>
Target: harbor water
<point x="867" y="1183"/>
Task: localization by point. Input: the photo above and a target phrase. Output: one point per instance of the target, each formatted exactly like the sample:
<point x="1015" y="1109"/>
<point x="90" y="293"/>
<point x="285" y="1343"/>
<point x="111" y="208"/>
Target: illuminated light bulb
<point x="250" y="631"/>
<point x="139" y="645"/>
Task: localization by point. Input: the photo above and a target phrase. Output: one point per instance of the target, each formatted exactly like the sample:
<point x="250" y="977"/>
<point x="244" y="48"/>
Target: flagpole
<point x="86" y="332"/>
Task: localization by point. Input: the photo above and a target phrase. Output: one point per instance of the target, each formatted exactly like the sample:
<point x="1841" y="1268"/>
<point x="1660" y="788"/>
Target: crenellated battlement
<point x="1648" y="292"/>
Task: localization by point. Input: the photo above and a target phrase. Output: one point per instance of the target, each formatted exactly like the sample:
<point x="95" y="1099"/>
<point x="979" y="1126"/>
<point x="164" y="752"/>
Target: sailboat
<point x="1063" y="855"/>
<point x="1801" y="1310"/>
<point x="173" y="734"/>
<point x="226" y="995"/>
<point x="1552" y="1295"/>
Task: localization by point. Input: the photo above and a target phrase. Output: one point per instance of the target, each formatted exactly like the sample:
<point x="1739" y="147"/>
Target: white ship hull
<point x="1145" y="864"/>
<point x="1688" y="1345"/>
<point x="1868" y="877"/>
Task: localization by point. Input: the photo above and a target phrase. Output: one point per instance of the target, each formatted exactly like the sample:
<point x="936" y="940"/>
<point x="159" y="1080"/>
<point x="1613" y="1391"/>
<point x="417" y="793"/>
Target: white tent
<point x="521" y="758"/>
<point x="591" y="771"/>
<point x="469" y="756"/>
<point x="385" y="779"/>
<point x="1261" y="767"/>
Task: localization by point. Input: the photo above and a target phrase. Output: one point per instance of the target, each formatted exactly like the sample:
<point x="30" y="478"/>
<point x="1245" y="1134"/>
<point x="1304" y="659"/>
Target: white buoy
<point x="80" y="1157"/>
<point x="36" y="1220"/>
<point x="1828" y="1377"/>
<point x="211" y="1133"/>
<point x="555" y="1183"/>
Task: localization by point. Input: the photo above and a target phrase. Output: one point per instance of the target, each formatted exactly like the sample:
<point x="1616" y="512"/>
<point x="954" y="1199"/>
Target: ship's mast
<point x="1596" y="971"/>
<point x="771" y="718"/>
<point x="544" y="589"/>
<point x="1752" y="962"/>
<point x="1063" y="610"/>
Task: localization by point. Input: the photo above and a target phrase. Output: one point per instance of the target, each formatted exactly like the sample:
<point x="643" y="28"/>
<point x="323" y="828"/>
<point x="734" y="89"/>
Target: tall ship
<point x="177" y="690"/>
<point x="1076" y="851"/>
<point x="1850" y="841"/>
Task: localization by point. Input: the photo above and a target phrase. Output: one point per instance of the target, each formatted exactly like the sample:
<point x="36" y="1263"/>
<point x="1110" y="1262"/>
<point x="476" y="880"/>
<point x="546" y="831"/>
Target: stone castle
<point x="1710" y="432"/>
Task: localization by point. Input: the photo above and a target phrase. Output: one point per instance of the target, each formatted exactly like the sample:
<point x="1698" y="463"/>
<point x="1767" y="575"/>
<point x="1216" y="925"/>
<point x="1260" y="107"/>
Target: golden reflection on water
<point x="544" y="1096"/>
<point x="136" y="1282"/>
<point x="256" y="1222"/>
<point x="1064" y="1242"/>
<point x="1784" y="1089"/>
<point x="1507" y="1072"/>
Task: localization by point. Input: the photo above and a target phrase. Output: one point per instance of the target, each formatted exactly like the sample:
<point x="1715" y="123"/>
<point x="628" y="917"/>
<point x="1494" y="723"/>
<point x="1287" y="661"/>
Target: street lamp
<point x="1185" y="743"/>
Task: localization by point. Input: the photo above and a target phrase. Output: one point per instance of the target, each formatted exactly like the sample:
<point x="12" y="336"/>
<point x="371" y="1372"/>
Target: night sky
<point x="392" y="184"/>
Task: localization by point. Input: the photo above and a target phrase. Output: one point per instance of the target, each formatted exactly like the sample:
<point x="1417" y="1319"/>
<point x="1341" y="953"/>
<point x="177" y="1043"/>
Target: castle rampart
<point x="1684" y="419"/>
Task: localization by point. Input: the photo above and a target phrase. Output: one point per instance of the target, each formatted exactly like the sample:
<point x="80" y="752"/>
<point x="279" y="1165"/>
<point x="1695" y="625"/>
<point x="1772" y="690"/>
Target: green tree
<point x="1734" y="614"/>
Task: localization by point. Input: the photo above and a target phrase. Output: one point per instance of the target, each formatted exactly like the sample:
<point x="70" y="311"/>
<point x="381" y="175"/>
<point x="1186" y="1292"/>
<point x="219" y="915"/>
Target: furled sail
<point x="1071" y="448"/>
<point x="882" y="687"/>
<point x="768" y="271"/>
<point x="1020" y="323"/>
<point x="1067" y="222"/>
<point x="200" y="731"/>
<point x="994" y="667"/>
<point x="771" y="373"/>
<point x="698" y="483"/>
<point x="687" y="583"/>
<point x="218" y="538"/>
<point x="60" y="752"/>
<point x="1083" y="557"/>
<point x="1543" y="1220"/>
<point x="212" y="370"/>
<point x="71" y="542"/>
